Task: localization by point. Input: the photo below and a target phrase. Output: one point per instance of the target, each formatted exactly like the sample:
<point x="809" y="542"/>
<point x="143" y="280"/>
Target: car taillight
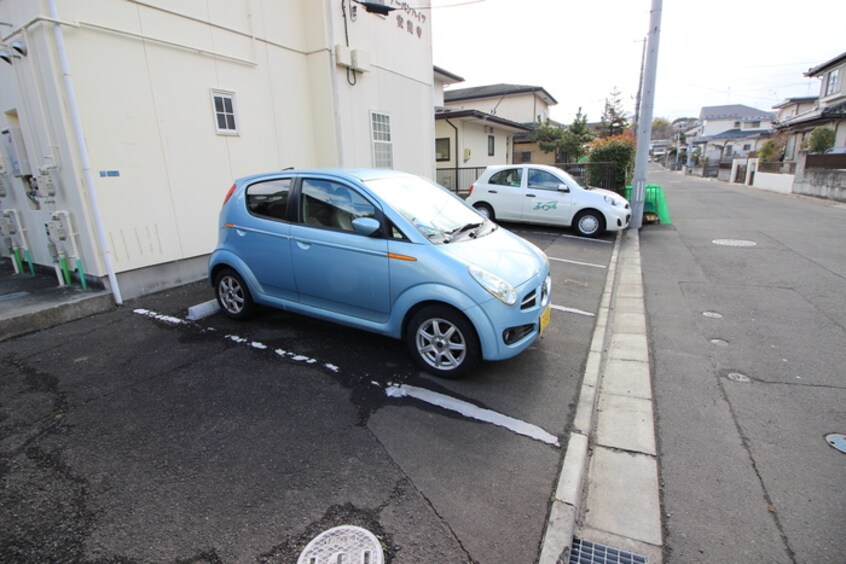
<point x="470" y="192"/>
<point x="228" y="195"/>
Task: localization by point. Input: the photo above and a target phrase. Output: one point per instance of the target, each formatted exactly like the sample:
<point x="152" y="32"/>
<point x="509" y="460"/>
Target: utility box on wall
<point x="16" y="152"/>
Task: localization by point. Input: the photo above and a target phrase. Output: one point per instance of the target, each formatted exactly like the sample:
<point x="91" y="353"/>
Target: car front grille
<point x="529" y="300"/>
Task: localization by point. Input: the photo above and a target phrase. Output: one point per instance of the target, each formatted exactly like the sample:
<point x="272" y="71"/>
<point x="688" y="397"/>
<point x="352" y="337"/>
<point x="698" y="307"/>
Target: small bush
<point x="821" y="140"/>
<point x="619" y="149"/>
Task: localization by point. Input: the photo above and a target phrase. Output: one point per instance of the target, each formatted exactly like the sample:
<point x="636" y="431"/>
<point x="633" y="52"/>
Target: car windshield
<point x="436" y="213"/>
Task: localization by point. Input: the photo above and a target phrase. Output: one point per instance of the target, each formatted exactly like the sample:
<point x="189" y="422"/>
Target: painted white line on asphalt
<point x="568" y="261"/>
<point x="587" y="240"/>
<point x="472" y="411"/>
<point x="572" y="310"/>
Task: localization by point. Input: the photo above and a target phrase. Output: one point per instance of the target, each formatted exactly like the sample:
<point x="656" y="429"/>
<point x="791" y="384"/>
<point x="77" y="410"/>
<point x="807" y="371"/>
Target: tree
<point x="661" y="128"/>
<point x="821" y="139"/>
<point x="614" y="120"/>
<point x="576" y="137"/>
<point x="548" y="137"/>
<point x="772" y="150"/>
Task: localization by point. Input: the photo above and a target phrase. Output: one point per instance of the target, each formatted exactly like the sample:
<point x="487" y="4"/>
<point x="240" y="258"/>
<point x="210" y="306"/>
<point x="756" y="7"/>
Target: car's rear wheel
<point x="233" y="295"/>
<point x="442" y="341"/>
<point x="589" y="223"/>
<point x="485" y="211"/>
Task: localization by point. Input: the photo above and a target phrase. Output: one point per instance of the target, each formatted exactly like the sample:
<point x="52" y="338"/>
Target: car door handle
<point x="304" y="245"/>
<point x="531" y="195"/>
<point x="492" y="191"/>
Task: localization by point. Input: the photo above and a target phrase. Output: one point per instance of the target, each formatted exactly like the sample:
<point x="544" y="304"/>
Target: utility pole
<point x="644" y="129"/>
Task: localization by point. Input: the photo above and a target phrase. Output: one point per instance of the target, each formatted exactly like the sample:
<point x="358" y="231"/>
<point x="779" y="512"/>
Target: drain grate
<point x="586" y="552"/>
<point x="347" y="544"/>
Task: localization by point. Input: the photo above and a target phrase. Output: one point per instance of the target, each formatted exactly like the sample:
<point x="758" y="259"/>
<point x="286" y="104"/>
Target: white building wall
<point x="143" y="78"/>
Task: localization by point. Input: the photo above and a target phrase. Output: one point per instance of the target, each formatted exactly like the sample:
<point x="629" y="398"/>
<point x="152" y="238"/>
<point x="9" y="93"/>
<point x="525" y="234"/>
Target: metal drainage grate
<point x="348" y="544"/>
<point x="586" y="552"/>
<point x="734" y="242"/>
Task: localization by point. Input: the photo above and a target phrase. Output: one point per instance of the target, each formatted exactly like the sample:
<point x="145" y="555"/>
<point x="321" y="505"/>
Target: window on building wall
<point x="491" y="145"/>
<point x="729" y="151"/>
<point x="736" y="124"/>
<point x="832" y="83"/>
<point x="525" y="156"/>
<point x="442" y="149"/>
<point x="752" y="125"/>
<point x="225" y="113"/>
<point x="747" y="146"/>
<point x="380" y="132"/>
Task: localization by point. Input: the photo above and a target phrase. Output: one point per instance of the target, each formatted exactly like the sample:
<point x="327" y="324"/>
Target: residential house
<point x="521" y="104"/>
<point x="730" y="131"/>
<point x="818" y="175"/>
<point x="787" y="111"/>
<point x="829" y="109"/>
<point x="124" y="122"/>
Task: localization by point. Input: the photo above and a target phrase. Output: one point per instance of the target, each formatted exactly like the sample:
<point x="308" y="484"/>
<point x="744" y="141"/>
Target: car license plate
<point x="544" y="318"/>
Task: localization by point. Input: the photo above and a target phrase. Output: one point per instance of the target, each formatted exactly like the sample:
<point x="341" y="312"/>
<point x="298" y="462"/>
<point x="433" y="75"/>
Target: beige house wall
<point x="144" y="75"/>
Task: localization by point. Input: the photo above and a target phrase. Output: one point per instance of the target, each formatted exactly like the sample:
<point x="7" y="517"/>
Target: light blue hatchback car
<point x="386" y="252"/>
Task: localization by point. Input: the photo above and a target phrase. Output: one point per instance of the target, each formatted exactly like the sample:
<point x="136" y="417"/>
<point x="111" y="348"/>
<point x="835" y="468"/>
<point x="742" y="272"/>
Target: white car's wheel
<point x="485" y="211"/>
<point x="589" y="223"/>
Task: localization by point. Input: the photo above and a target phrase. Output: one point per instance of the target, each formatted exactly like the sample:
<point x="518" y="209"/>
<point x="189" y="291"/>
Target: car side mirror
<point x="563" y="188"/>
<point x="366" y="226"/>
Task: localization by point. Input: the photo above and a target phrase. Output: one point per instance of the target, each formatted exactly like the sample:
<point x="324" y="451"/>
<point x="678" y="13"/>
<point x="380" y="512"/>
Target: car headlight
<point x="610" y="200"/>
<point x="499" y="288"/>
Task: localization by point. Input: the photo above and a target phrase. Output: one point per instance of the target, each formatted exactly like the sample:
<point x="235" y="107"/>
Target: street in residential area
<point x="139" y="435"/>
<point x="746" y="305"/>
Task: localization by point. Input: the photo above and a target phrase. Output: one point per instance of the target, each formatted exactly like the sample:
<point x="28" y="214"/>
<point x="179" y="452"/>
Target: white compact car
<point x="547" y="195"/>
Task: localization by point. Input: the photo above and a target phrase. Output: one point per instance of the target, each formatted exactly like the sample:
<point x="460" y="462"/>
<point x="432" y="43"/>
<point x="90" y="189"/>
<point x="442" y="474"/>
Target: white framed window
<point x="832" y="85"/>
<point x="380" y="133"/>
<point x="225" y="112"/>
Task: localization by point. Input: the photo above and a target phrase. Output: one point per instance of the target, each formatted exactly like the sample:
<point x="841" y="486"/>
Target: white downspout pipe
<point x="88" y="179"/>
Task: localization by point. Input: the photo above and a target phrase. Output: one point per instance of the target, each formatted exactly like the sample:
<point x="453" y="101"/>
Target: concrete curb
<point x="41" y="317"/>
<point x="561" y="525"/>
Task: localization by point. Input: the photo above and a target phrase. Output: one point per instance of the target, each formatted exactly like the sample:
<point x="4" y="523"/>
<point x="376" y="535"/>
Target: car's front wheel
<point x="589" y="223"/>
<point x="233" y="295"/>
<point x="442" y="341"/>
<point x="485" y="211"/>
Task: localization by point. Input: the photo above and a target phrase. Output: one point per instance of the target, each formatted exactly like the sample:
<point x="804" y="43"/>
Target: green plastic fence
<point x="653" y="201"/>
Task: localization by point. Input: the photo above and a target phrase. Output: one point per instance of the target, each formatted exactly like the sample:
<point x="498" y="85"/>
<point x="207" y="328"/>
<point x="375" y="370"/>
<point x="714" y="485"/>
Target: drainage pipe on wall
<point x="88" y="179"/>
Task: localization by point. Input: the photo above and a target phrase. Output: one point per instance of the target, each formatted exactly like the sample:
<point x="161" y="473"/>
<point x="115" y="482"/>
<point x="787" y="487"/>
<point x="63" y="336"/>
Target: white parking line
<point x="587" y="239"/>
<point x="572" y="310"/>
<point x="472" y="411"/>
<point x="568" y="261"/>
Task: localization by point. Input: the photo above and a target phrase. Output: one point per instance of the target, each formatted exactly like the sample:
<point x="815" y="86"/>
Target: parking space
<point x="243" y="440"/>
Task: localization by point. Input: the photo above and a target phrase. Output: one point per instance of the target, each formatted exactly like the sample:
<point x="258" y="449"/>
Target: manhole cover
<point x="348" y="544"/>
<point x="712" y="314"/>
<point x="738" y="377"/>
<point x="837" y="440"/>
<point x="734" y="243"/>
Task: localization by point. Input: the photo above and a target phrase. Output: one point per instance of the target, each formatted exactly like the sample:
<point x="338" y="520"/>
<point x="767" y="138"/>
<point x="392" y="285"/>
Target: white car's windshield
<point x="437" y="214"/>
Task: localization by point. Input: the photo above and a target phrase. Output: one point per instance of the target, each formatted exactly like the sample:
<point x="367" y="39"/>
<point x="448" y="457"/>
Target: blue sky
<point x="710" y="53"/>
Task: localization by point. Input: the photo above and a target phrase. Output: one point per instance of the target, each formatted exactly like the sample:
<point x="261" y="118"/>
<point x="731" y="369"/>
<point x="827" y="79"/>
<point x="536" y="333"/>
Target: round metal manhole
<point x="734" y="242"/>
<point x="837" y="440"/>
<point x="348" y="544"/>
<point x="712" y="315"/>
<point x="738" y="377"/>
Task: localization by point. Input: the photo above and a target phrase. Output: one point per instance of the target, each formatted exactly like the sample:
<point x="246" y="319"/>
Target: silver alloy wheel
<point x="588" y="224"/>
<point x="231" y="294"/>
<point x="484" y="212"/>
<point x="441" y="344"/>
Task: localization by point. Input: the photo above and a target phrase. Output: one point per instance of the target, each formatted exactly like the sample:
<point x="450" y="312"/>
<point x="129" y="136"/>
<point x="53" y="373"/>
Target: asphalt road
<point x="139" y="436"/>
<point x="746" y="472"/>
